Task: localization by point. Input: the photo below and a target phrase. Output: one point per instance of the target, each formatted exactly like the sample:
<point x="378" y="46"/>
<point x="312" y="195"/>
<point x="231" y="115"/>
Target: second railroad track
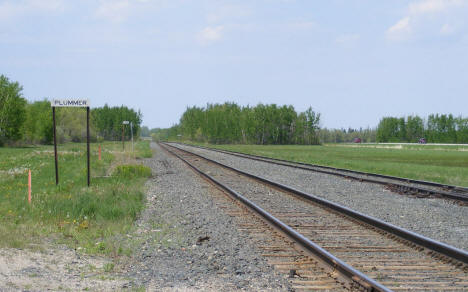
<point x="401" y="185"/>
<point x="371" y="253"/>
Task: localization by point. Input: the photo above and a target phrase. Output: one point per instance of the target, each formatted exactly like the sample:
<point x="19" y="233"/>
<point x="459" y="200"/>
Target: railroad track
<point x="370" y="254"/>
<point x="400" y="185"/>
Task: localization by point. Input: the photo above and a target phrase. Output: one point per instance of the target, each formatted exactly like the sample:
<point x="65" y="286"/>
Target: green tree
<point x="107" y="122"/>
<point x="462" y="129"/>
<point x="414" y="128"/>
<point x="388" y="130"/>
<point x="144" y="131"/>
<point x="262" y="124"/>
<point x="12" y="110"/>
<point x="312" y="126"/>
<point x="38" y="124"/>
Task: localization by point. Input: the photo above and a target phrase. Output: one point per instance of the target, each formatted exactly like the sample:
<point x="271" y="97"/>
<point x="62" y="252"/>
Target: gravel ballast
<point x="435" y="218"/>
<point x="190" y="244"/>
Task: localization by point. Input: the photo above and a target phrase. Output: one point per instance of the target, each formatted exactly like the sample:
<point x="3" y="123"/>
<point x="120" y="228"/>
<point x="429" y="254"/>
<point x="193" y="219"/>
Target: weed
<point x="130" y="171"/>
<point x="109" y="267"/>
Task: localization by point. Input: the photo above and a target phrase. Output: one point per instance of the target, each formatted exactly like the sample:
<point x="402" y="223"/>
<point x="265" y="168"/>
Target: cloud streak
<point x="415" y="13"/>
<point x="432" y="6"/>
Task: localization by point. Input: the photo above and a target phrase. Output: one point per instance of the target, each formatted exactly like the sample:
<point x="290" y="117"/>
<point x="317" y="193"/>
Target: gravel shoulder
<point x="55" y="267"/>
<point x="434" y="218"/>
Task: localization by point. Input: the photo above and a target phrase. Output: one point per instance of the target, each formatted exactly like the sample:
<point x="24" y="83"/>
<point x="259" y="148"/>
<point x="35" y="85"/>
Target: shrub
<point x="130" y="171"/>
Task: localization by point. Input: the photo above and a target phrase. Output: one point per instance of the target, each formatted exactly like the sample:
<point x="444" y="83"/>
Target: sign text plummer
<point x="70" y="102"/>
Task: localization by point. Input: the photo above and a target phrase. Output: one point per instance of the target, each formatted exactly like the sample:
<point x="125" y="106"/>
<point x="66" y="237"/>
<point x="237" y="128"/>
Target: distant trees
<point x="414" y="126"/>
<point x="107" y="121"/>
<point x="273" y="124"/>
<point x="367" y="135"/>
<point x="261" y="124"/>
<point x="436" y="129"/>
<point x="12" y="110"/>
<point x="145" y="131"/>
<point x="391" y="129"/>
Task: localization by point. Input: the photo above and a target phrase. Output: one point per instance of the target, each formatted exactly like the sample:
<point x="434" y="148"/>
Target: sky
<point x="354" y="61"/>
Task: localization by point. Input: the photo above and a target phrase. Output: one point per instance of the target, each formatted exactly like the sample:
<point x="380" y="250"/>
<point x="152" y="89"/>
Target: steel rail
<point x="346" y="270"/>
<point x="306" y="166"/>
<point x="428" y="243"/>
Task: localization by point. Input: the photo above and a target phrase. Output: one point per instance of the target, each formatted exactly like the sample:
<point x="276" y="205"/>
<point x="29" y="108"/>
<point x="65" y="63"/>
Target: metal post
<point x="131" y="130"/>
<point x="55" y="148"/>
<point x="87" y="140"/>
<point x="123" y="145"/>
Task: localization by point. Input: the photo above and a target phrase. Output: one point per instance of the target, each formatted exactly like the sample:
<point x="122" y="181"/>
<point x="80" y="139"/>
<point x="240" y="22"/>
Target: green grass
<point x="444" y="164"/>
<point x="87" y="219"/>
<point x="130" y="171"/>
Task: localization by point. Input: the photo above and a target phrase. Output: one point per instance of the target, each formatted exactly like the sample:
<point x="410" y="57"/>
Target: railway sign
<point x="70" y="103"/>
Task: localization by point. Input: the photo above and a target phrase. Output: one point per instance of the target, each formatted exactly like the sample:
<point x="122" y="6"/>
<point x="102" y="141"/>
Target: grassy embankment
<point x="88" y="219"/>
<point x="444" y="164"/>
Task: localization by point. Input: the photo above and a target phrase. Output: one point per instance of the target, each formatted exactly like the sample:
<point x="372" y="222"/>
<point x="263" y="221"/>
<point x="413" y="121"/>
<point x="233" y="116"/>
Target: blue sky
<point x="353" y="61"/>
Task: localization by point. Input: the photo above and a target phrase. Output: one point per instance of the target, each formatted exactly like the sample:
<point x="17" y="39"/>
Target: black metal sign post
<point x="55" y="148"/>
<point x="87" y="141"/>
<point x="71" y="103"/>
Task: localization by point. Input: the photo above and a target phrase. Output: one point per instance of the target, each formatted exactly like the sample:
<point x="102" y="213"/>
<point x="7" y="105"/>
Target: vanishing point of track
<point x="370" y="254"/>
<point x="401" y="185"/>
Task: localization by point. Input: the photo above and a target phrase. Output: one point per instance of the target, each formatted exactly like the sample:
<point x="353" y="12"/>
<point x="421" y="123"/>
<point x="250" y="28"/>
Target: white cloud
<point x="400" y="30"/>
<point x="415" y="14"/>
<point x="432" y="6"/>
<point x="14" y="9"/>
<point x="210" y="34"/>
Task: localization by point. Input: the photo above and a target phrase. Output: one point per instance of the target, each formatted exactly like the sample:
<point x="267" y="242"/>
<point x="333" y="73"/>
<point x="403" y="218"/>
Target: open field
<point x="85" y="218"/>
<point x="407" y="146"/>
<point x="444" y="164"/>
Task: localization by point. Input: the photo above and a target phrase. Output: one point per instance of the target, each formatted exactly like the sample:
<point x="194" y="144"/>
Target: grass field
<point x="87" y="219"/>
<point x="444" y="164"/>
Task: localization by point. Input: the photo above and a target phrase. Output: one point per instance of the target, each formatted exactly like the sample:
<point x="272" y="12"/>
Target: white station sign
<point x="70" y="103"/>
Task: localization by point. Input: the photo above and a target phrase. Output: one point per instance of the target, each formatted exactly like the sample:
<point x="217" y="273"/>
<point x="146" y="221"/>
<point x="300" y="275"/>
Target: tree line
<point x="271" y="124"/>
<point x="367" y="135"/>
<point x="261" y="124"/>
<point x="437" y="128"/>
<point x="24" y="122"/>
